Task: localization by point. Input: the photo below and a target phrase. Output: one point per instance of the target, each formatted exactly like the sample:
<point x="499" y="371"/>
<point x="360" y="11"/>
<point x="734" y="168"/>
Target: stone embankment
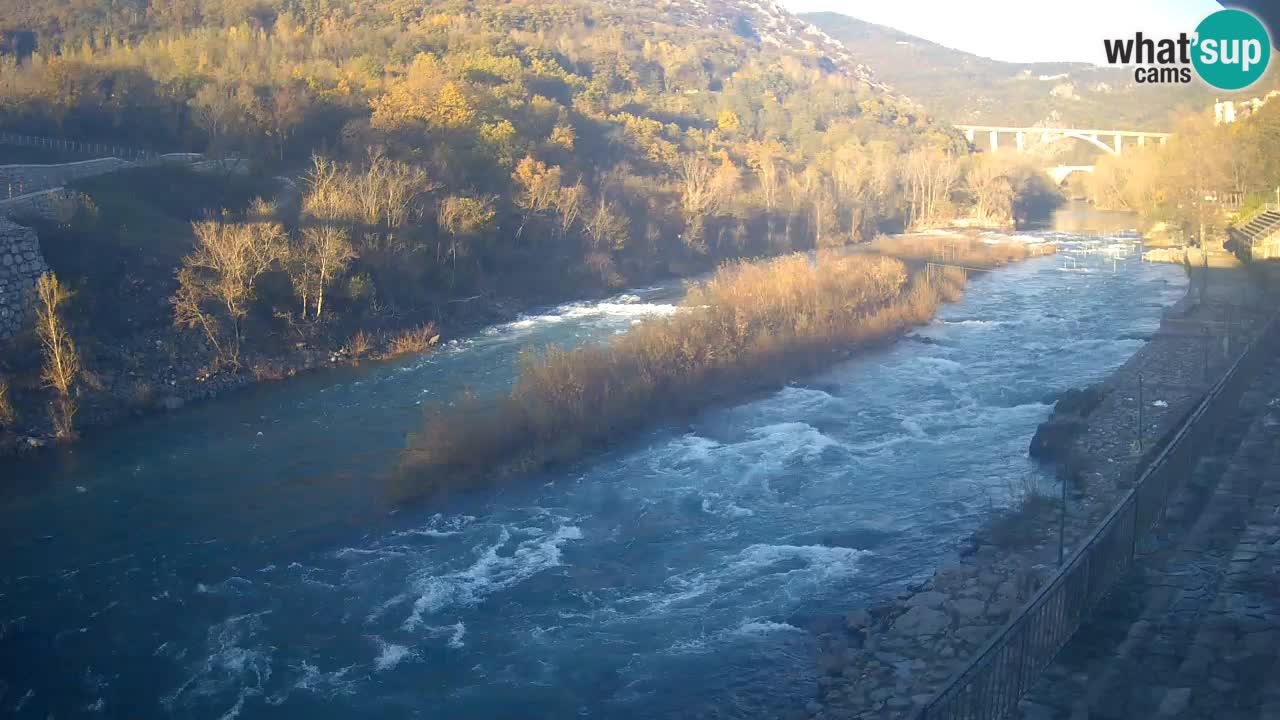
<point x="18" y="180"/>
<point x="20" y="265"/>
<point x="886" y="661"/>
<point x="1194" y="633"/>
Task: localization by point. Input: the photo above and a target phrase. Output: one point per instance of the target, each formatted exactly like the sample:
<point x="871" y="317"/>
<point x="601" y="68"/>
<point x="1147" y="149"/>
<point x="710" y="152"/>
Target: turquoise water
<point x="247" y="558"/>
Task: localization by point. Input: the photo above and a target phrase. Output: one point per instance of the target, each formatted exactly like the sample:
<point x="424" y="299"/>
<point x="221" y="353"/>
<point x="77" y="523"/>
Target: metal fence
<point x="123" y="152"/>
<point x="1006" y="667"/>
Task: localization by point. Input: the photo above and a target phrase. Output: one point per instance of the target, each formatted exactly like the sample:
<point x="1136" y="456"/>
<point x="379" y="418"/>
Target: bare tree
<point x="462" y="218"/>
<point x="569" y="206"/>
<point x="61" y="360"/>
<point x="992" y="192"/>
<point x="703" y="190"/>
<point x="930" y="176"/>
<point x="218" y="280"/>
<point x="606" y="227"/>
<point x="323" y="255"/>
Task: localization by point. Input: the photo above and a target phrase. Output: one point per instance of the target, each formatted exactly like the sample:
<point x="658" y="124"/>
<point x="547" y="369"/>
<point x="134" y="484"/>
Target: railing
<point x="1001" y="673"/>
<point x="123" y="152"/>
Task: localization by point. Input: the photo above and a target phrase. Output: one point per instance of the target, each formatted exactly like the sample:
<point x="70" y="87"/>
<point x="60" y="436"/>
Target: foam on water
<point x="237" y="661"/>
<point x="622" y="307"/>
<point x="658" y="578"/>
<point x="491" y="571"/>
<point x="390" y="655"/>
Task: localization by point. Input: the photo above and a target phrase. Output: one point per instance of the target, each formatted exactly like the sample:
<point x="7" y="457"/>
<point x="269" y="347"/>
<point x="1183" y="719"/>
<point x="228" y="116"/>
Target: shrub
<point x="413" y="340"/>
<point x="358" y="346"/>
<point x="8" y="415"/>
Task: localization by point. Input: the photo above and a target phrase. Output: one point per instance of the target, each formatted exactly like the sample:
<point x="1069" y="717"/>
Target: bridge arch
<point x="1060" y="173"/>
<point x="1091" y="139"/>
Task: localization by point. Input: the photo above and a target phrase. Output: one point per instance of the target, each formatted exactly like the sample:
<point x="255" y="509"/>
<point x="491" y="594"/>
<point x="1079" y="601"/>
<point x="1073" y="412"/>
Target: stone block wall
<point x="47" y="205"/>
<point x="22" y="179"/>
<point x="20" y="265"/>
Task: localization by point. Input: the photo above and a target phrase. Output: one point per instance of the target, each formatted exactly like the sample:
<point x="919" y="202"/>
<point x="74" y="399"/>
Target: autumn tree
<point x="538" y="186"/>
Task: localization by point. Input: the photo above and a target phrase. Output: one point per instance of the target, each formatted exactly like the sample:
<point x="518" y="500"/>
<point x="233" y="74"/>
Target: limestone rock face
<point x="20" y="265"/>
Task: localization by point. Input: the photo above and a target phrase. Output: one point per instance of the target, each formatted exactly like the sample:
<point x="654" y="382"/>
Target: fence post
<point x="1140" y="422"/>
<point x="1204" y="343"/>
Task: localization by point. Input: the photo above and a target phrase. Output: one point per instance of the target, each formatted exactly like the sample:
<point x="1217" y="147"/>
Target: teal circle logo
<point x="1232" y="49"/>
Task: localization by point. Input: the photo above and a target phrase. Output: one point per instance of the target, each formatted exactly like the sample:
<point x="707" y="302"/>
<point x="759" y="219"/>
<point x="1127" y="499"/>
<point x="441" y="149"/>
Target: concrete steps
<point x="1170" y="641"/>
<point x="1257" y="232"/>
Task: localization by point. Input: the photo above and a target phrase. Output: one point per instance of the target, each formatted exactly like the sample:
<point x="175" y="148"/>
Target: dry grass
<point x="958" y="250"/>
<point x="750" y="327"/>
<point x="8" y="415"/>
<point x="359" y="346"/>
<point x="412" y="341"/>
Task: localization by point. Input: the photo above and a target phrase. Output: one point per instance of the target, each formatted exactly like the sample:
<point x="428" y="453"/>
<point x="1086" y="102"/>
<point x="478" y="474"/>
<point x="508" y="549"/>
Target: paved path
<point x="1195" y="632"/>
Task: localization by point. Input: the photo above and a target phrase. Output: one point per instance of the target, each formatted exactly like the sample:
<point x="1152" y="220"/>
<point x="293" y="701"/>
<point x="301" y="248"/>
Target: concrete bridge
<point x="1111" y="141"/>
<point x="1061" y="172"/>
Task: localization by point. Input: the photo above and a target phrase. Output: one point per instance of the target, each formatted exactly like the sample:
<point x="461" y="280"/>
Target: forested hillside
<point x="584" y="130"/>
<point x="964" y="88"/>
<point x="447" y="157"/>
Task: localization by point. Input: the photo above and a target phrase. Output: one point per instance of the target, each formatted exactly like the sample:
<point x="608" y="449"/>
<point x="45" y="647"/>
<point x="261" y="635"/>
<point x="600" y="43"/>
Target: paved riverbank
<point x="888" y="660"/>
<point x="1195" y="632"/>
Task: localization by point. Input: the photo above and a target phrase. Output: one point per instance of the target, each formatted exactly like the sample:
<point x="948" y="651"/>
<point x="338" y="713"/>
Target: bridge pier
<point x="968" y="134"/>
<point x="1142" y="141"/>
<point x="1117" y="144"/>
<point x="1021" y="140"/>
<point x="995" y="141"/>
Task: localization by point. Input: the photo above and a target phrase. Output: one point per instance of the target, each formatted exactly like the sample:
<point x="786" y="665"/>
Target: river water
<point x="243" y="558"/>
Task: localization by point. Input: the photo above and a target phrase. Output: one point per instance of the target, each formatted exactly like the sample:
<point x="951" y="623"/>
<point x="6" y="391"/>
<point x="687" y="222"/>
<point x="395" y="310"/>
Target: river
<point x="245" y="558"/>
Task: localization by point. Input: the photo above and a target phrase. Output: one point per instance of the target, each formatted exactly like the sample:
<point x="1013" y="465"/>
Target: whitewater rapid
<point x="242" y="559"/>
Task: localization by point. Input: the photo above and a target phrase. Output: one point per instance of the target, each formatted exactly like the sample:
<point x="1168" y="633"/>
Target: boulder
<point x="975" y="635"/>
<point x="921" y="621"/>
<point x="929" y="599"/>
<point x="856" y="620"/>
<point x="1054" y="436"/>
<point x="968" y="609"/>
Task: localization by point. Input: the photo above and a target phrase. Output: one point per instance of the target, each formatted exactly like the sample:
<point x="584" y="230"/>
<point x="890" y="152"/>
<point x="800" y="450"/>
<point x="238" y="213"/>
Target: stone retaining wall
<point x="20" y="265"/>
<point x="22" y="179"/>
<point x="46" y="205"/>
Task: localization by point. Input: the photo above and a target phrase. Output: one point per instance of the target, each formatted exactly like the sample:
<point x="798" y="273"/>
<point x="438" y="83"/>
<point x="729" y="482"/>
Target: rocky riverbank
<point x="165" y="369"/>
<point x="888" y="660"/>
